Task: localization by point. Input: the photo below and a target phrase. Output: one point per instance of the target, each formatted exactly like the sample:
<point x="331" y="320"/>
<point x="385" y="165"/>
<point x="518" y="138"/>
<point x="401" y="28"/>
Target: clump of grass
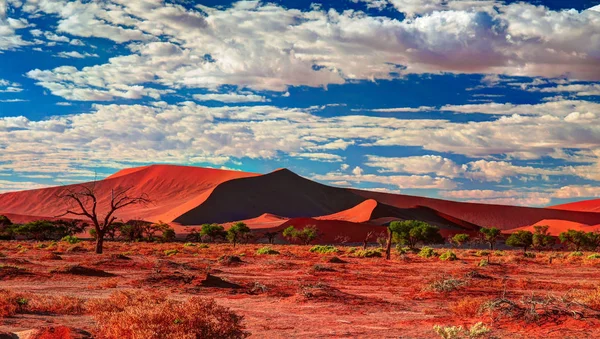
<point x="529" y="255"/>
<point x="576" y="254"/>
<point x="172" y="252"/>
<point x="203" y="246"/>
<point x="458" y="332"/>
<point x="468" y="307"/>
<point x="70" y="239"/>
<point x="483" y="263"/>
<point x="368" y="253"/>
<point x="155" y="317"/>
<point x="482" y="253"/>
<point x="189" y="244"/>
<point x="444" y="284"/>
<point x="266" y="250"/>
<point x="324" y="249"/>
<point x="498" y="253"/>
<point x="427" y="252"/>
<point x="448" y="256"/>
<point x="594" y="256"/>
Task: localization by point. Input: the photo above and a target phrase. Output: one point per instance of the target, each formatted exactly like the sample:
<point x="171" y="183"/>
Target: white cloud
<point x="427" y="164"/>
<point x="508" y="197"/>
<point x="9" y="186"/>
<point x="75" y="54"/>
<point x="263" y="46"/>
<point x="230" y="97"/>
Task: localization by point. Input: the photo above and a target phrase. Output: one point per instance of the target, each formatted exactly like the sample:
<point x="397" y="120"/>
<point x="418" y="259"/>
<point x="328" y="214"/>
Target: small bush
<point x="498" y="253"/>
<point x="483" y="263"/>
<point x="448" y="256"/>
<point x="171" y="252"/>
<point x="594" y="256"/>
<point x="427" y="252"/>
<point x="368" y="253"/>
<point x="324" y="249"/>
<point x="468" y="307"/>
<point x="152" y="316"/>
<point x="457" y="332"/>
<point x="482" y="253"/>
<point x="576" y="254"/>
<point x="203" y="246"/>
<point x="189" y="244"/>
<point x="444" y="284"/>
<point x="529" y="255"/>
<point x="266" y="250"/>
<point x="71" y="239"/>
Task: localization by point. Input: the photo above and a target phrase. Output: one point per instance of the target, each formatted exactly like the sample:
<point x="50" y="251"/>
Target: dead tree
<point x="83" y="202"/>
<point x="367" y="237"/>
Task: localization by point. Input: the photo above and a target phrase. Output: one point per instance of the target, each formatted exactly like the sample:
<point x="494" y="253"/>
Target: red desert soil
<point x="298" y="294"/>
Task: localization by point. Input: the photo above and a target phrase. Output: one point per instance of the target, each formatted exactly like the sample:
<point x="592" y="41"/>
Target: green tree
<point x="290" y="233"/>
<point x="490" y="236"/>
<point x="7" y="228"/>
<point x="593" y="240"/>
<point x="39" y="230"/>
<point x="520" y="239"/>
<point x="236" y="232"/>
<point x="304" y="236"/>
<point x="541" y="238"/>
<point x="213" y="231"/>
<point x="460" y="239"/>
<point x="72" y="227"/>
<point x="574" y="239"/>
<point x="270" y="236"/>
<point x="412" y="232"/>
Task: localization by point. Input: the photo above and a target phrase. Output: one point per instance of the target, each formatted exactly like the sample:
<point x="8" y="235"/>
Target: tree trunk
<point x="388" y="250"/>
<point x="99" y="242"/>
<point x="365" y="244"/>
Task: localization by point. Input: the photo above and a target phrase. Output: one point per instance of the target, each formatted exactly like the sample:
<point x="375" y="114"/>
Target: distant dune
<point x="190" y="196"/>
<point x="582" y="206"/>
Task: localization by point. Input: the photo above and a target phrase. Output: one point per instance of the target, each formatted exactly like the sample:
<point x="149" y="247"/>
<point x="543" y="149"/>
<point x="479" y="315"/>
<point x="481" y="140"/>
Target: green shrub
<point x="529" y="255"/>
<point x="498" y="253"/>
<point x="324" y="249"/>
<point x="427" y="252"/>
<point x="576" y="254"/>
<point x="482" y="253"/>
<point x="352" y="250"/>
<point x="189" y="244"/>
<point x="71" y="239"/>
<point x="483" y="263"/>
<point x="203" y="246"/>
<point x="368" y="253"/>
<point x="449" y="256"/>
<point x="444" y="284"/>
<point x="594" y="256"/>
<point x="171" y="252"/>
<point x="266" y="250"/>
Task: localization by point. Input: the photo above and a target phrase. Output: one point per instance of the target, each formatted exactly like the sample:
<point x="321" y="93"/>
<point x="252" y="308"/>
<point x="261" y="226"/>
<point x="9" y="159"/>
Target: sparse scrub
<point x="445" y="284"/>
<point x="152" y="316"/>
<point x="324" y="249"/>
<point x="266" y="250"/>
<point x="70" y="239"/>
<point x="171" y="252"/>
<point x="478" y="330"/>
<point x="468" y="307"/>
<point x="427" y="252"/>
<point x="322" y="268"/>
<point x="368" y="253"/>
<point x="594" y="256"/>
<point x="576" y="254"/>
<point x="448" y="256"/>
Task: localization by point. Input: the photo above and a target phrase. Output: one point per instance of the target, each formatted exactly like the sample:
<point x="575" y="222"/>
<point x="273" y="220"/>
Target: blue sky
<point x="486" y="101"/>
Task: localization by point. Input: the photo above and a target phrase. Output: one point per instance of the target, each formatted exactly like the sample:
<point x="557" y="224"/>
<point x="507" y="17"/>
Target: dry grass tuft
<point x="152" y="316"/>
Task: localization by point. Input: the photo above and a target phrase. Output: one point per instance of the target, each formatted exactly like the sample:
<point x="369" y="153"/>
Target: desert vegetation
<point x="226" y="281"/>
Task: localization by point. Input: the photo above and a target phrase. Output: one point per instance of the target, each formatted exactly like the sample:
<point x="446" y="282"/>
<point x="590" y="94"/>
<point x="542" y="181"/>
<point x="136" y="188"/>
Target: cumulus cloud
<point x="75" y="54"/>
<point x="230" y="97"/>
<point x="263" y="46"/>
<point x="10" y="39"/>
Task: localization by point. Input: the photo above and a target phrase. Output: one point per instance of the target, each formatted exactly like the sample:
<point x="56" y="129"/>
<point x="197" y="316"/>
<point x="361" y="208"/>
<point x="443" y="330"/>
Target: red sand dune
<point x="362" y="212"/>
<point x="582" y="206"/>
<point x="171" y="189"/>
<point x="485" y="215"/>
<point x="558" y="226"/>
<point x="187" y="196"/>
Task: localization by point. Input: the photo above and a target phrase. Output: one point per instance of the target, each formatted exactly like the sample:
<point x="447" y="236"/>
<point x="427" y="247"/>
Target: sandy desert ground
<point x="299" y="294"/>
